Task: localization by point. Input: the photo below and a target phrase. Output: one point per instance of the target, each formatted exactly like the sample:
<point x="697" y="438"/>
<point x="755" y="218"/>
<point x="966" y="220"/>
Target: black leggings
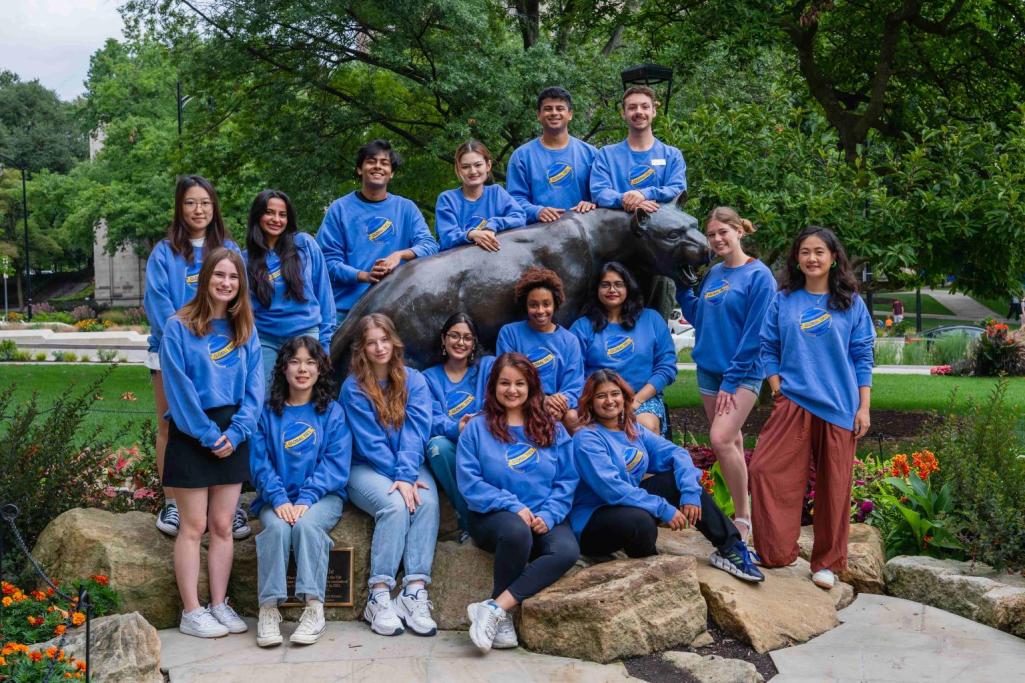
<point x="633" y="530"/>
<point x="524" y="562"/>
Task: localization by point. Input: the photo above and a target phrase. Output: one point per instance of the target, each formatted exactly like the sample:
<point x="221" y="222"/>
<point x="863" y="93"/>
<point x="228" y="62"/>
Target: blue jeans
<point x="709" y="383"/>
<point x="441" y="456"/>
<point x="310" y="542"/>
<point x="270" y="344"/>
<point x="398" y="535"/>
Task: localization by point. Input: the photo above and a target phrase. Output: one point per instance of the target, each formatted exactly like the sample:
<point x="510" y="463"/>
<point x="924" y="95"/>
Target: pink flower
<point x="109" y="492"/>
<point x="144" y="494"/>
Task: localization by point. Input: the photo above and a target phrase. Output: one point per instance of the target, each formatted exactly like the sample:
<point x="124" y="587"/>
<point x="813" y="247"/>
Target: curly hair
<point x="627" y="419"/>
<point x="538" y="425"/>
<point x="389" y="401"/>
<point x="324" y="390"/>
<point x="843" y="285"/>
<point x="537" y="277"/>
<point x="633" y="303"/>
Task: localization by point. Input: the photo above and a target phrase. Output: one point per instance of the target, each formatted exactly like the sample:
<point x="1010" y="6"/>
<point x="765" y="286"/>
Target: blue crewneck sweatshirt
<point x="641" y="355"/>
<point x="170" y="284"/>
<point x="456" y="216"/>
<point x="821" y="355"/>
<point x="611" y="466"/>
<point x="660" y="173"/>
<point x="207" y="372"/>
<point x="357" y="232"/>
<point x="286" y="317"/>
<point x="452" y="400"/>
<point x="300" y="456"/>
<point x="538" y="177"/>
<point x="556" y="355"/>
<point x="727" y="316"/>
<point x="493" y="475"/>
<point x="396" y="454"/>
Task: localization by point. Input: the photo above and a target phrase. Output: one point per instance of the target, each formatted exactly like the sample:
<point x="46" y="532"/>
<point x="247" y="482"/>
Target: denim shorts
<point x="709" y="383"/>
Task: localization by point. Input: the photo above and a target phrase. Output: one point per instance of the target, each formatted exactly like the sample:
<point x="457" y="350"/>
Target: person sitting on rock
<point x="514" y="466"/>
<point x="388" y="406"/>
<point x="300" y="460"/>
<point x="476" y="212"/>
<point x="553" y="350"/>
<point x="457" y="387"/>
<point x="617" y="508"/>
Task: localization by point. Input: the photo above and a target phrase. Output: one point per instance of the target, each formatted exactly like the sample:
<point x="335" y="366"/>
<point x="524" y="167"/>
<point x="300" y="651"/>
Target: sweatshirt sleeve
<point x="688" y="302"/>
<point x="596" y="469"/>
<point x="508" y="213"/>
<point x="572" y="381"/>
<point x="862" y="344"/>
<point x="480" y="496"/>
<point x="266" y="479"/>
<point x="560" y="498"/>
<point x="517" y="181"/>
<point x="321" y="286"/>
<point x="446" y="223"/>
<point x="156" y="300"/>
<point x="675" y="178"/>
<point x="424" y="243"/>
<point x="441" y="423"/>
<point x="332" y="241"/>
<point x="770" y="344"/>
<point x="664" y="370"/>
<point x="745" y="362"/>
<point x="243" y="422"/>
<point x="182" y="397"/>
<point x="603" y="191"/>
<point x="665" y="456"/>
<point x="505" y="340"/>
<point x="372" y="440"/>
<point x="415" y="430"/>
<point x="333" y="462"/>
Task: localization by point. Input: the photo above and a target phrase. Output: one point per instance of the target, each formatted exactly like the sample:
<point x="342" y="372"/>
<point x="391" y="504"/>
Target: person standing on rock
<point x="816" y="347"/>
<point x="172" y="274"/>
<point x="618" y="506"/>
<point x="211" y="361"/>
<point x="369" y="233"/>
<point x="727" y="313"/>
<point x="388" y="406"/>
<point x="514" y="466"/>
<point x="300" y="460"/>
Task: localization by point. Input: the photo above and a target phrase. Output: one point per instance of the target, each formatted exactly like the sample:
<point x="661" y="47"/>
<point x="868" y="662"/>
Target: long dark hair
<point x="324" y="390"/>
<point x="627" y="419"/>
<point x="843" y="285"/>
<point x="178" y="231"/>
<point x="454" y="320"/>
<point x="537" y="423"/>
<point x="256" y="251"/>
<point x="633" y="303"/>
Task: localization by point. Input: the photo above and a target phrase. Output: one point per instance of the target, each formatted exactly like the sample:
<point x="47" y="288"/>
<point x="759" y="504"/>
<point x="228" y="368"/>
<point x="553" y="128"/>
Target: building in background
<point x="121" y="276"/>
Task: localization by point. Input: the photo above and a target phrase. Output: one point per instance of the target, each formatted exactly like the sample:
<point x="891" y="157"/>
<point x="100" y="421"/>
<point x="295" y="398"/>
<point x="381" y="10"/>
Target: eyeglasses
<point x="192" y="204"/>
<point x="455" y="336"/>
<point x="606" y="286"/>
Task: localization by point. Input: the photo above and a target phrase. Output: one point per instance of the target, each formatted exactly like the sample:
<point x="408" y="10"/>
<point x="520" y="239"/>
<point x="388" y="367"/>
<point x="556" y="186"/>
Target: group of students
<point x="552" y="449"/>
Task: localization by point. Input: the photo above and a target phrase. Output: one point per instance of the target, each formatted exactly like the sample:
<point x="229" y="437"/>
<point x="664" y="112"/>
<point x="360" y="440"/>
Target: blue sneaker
<point x="737" y="561"/>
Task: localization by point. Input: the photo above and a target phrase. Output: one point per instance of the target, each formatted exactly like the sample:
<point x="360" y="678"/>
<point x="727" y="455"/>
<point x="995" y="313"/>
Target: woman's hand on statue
<point x="485" y="239"/>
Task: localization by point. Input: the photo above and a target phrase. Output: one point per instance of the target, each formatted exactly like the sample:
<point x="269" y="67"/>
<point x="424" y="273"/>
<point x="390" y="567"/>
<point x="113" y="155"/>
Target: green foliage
<point x="916" y="353"/>
<point x="107" y="355"/>
<point x="720" y="490"/>
<point x="998" y="352"/>
<point x="950" y="348"/>
<point x="916" y="519"/>
<point x="8" y="350"/>
<point x="886" y="353"/>
<point x="34" y="616"/>
<point x="40" y="357"/>
<point x="64" y="356"/>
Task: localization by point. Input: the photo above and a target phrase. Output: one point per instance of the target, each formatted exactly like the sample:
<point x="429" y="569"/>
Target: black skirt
<point x="190" y="465"/>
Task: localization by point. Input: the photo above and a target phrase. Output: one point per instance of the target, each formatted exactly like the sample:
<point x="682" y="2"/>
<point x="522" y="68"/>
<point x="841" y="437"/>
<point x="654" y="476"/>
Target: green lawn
<point x="930" y="306"/>
<point x="998" y="305"/>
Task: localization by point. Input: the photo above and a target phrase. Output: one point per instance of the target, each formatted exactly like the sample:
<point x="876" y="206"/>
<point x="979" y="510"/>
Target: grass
<point x="930" y="306"/>
<point x="998" y="305"/>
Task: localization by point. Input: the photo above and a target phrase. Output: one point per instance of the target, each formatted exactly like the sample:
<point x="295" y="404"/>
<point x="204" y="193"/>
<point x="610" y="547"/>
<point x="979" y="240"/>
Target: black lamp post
<point x="28" y="270"/>
<point x="649" y="74"/>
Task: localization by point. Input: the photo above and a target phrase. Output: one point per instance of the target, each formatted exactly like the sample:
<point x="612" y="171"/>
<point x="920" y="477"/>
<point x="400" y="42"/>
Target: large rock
<point x="617" y="609"/>
<point x="126" y="547"/>
<point x="786" y="608"/>
<point x="123" y="648"/>
<point x="866" y="556"/>
<point x="462" y="574"/>
<point x="712" y="669"/>
<point x="973" y="590"/>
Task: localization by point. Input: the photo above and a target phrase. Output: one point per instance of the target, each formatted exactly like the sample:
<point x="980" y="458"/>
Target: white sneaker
<point x="824" y="578"/>
<point x="229" y="617"/>
<point x="484" y="620"/>
<point x="505" y="637"/>
<point x="415" y="612"/>
<point x="268" y="632"/>
<point x="380" y="613"/>
<point x="200" y="623"/>
<point x="311" y="625"/>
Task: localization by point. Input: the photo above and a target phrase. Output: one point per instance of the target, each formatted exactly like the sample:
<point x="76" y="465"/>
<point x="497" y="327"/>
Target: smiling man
<point x="368" y="233"/>
<point x="641" y="171"/>
<point x="551" y="174"/>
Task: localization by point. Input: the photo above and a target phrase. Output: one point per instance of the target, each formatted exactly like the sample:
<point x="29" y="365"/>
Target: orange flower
<point x="50" y="592"/>
<point x="925" y="463"/>
<point x="61" y="628"/>
<point x="38" y="595"/>
<point x="100" y="579"/>
<point x="8" y="588"/>
<point x="35" y="655"/>
<point x="707" y="481"/>
<point x="7" y="601"/>
<point x="899" y="466"/>
<point x="77" y="619"/>
<point x="80" y="665"/>
<point x="35" y="621"/>
<point x="3" y="661"/>
<point x="19" y="596"/>
<point x="51" y="652"/>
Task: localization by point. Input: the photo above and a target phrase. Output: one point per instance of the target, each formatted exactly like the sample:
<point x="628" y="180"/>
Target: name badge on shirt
<point x="658" y="162"/>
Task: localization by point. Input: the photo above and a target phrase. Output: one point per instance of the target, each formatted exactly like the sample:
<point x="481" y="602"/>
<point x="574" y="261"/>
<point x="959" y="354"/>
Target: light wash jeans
<point x="310" y="542"/>
<point x="398" y="535"/>
<point x="270" y="344"/>
<point x="441" y="456"/>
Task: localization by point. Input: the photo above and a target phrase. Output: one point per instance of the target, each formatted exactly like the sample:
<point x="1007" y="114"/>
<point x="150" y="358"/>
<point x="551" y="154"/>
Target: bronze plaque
<point x="338" y="592"/>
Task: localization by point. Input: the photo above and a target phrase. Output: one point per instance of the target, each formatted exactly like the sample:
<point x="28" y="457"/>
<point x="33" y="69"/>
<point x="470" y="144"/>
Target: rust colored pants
<point x="792" y="441"/>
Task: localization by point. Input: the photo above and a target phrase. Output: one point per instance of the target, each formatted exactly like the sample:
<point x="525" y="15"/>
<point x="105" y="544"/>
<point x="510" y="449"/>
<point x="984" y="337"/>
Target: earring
<point x="833" y="266"/>
<point x="444" y="351"/>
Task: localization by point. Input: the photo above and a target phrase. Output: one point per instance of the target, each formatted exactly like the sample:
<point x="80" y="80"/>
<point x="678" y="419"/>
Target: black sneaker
<point x="240" y="525"/>
<point x="168" y="520"/>
<point x="737" y="561"/>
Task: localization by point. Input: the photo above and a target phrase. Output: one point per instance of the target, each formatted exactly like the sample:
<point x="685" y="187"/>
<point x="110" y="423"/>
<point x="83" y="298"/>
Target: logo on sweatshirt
<point x="521" y="457"/>
<point x="716" y="294"/>
<point x="641" y="175"/>
<point x="633" y="457"/>
<point x="816" y="321"/>
<point x="223" y="352"/>
<point x="475" y="223"/>
<point x="619" y="347"/>
<point x="192" y="275"/>
<point x="559" y="174"/>
<point x="542" y="359"/>
<point x="457" y="403"/>
<point x="299" y="438"/>
<point x="380" y="230"/>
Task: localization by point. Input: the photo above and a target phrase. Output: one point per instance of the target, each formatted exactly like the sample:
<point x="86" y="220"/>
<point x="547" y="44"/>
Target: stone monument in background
<point x="121" y="276"/>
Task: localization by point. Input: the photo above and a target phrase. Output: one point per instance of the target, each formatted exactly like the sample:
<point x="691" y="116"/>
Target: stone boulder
<point x="786" y="608"/>
<point x="622" y="608"/>
<point x="713" y="669"/>
<point x="866" y="555"/>
<point x="462" y="574"/>
<point x="973" y="590"/>
<point x="126" y="547"/>
<point x="123" y="648"/>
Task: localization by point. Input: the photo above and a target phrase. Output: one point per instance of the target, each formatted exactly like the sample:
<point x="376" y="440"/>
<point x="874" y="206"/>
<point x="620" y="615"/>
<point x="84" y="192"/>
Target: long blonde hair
<point x="198" y="313"/>
<point x="729" y="216"/>
<point x="389" y="401"/>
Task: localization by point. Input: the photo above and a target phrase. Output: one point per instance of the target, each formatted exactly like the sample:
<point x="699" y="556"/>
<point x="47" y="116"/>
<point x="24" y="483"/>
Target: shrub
<point x="55" y="317"/>
<point x="128" y="478"/>
<point x="8" y="350"/>
<point x="91" y="325"/>
<point x="135" y="315"/>
<point x="107" y="355"/>
<point x="84" y="358"/>
<point x="886" y="353"/>
<point x="999" y="351"/>
<point x="22" y="356"/>
<point x="950" y="348"/>
<point x="40" y="357"/>
<point x="82" y="313"/>
<point x="15" y="317"/>
<point x="64" y="356"/>
<point x="916" y="353"/>
<point x="42" y="308"/>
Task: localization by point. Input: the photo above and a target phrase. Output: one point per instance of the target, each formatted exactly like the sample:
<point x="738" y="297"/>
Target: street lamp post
<point x="649" y="74"/>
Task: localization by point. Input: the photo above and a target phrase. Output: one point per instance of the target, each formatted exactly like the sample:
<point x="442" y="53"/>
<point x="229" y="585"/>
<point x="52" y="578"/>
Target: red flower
<point x="707" y="481"/>
<point x="899" y="466"/>
<point x="100" y="579"/>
